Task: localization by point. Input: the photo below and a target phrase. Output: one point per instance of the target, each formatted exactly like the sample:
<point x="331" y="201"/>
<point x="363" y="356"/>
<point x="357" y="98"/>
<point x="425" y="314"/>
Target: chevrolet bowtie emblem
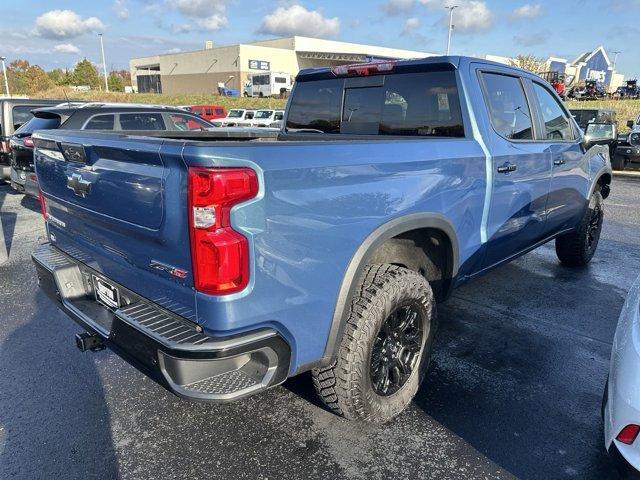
<point x="79" y="185"/>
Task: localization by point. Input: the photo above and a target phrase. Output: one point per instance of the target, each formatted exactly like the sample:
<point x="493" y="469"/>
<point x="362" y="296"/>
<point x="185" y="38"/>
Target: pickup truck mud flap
<point x="170" y="349"/>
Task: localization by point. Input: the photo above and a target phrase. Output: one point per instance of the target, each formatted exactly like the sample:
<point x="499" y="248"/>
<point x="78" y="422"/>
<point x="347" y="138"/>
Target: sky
<point x="60" y="33"/>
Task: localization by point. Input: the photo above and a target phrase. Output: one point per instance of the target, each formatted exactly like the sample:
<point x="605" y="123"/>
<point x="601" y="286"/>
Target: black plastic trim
<point x="141" y="349"/>
<point x="359" y="261"/>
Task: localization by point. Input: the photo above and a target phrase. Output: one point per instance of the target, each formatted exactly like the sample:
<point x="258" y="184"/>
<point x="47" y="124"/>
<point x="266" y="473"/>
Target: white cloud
<point x="410" y="25"/>
<point x="174" y="50"/>
<point x="120" y="9"/>
<point x="470" y="16"/>
<point x="65" y="24"/>
<point x="208" y="14"/>
<point x="528" y="11"/>
<point x="297" y="20"/>
<point x="66" y="48"/>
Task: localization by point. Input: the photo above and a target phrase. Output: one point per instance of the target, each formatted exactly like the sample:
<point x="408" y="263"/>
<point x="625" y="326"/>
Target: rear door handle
<point x="559" y="161"/>
<point x="507" y="168"/>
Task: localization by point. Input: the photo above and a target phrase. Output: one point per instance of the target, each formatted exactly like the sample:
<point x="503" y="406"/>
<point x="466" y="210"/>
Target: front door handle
<point x="507" y="168"/>
<point x="559" y="161"/>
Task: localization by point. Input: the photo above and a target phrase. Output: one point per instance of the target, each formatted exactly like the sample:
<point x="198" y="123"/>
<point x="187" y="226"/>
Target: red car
<point x="208" y="112"/>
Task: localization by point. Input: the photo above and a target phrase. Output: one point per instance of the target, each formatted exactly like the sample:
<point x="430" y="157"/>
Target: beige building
<point x="200" y="71"/>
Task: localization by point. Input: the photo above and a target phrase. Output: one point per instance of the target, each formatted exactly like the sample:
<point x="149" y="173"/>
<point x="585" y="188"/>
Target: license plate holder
<point x="106" y="294"/>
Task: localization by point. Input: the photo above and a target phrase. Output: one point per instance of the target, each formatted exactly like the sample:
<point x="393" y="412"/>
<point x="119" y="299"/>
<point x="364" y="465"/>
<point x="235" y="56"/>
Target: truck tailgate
<point x="113" y="203"/>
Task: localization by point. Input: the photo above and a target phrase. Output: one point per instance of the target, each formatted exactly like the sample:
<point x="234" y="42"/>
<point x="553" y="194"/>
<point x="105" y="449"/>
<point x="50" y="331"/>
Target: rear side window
<point x="141" y="121"/>
<point x="280" y="80"/>
<point x="508" y="107"/>
<point x="187" y="123"/>
<point x="556" y="123"/>
<point x="219" y="111"/>
<point x="410" y="104"/>
<point x="100" y="122"/>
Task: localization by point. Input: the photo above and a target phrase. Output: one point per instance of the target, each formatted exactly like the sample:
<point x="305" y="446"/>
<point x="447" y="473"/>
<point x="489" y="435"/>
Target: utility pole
<point x="4" y="74"/>
<point x="451" y="8"/>
<point x="104" y="64"/>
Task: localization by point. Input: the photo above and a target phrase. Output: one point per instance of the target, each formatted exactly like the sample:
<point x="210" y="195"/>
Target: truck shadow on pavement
<point x="42" y="426"/>
<point x="7" y="224"/>
<point x="517" y="373"/>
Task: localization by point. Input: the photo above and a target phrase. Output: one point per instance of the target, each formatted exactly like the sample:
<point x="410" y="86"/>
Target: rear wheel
<point x="577" y="248"/>
<point x="385" y="349"/>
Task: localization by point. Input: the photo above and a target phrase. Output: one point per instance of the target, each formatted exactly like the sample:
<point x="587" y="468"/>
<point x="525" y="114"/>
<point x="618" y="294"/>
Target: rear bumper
<point x="628" y="151"/>
<point x="28" y="184"/>
<point x="169" y="349"/>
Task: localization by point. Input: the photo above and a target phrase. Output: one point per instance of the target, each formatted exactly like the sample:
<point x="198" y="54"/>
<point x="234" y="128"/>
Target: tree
<point x="59" y="76"/>
<point x="116" y="83"/>
<point x="529" y="62"/>
<point x="37" y="80"/>
<point x="85" y="73"/>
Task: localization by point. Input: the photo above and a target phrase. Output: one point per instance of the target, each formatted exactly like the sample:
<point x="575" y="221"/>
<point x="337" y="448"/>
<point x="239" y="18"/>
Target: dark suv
<point x="15" y="112"/>
<point x="92" y="116"/>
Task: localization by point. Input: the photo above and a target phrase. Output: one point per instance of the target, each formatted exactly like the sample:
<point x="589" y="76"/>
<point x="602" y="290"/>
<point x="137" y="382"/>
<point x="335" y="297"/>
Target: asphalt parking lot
<point x="514" y="388"/>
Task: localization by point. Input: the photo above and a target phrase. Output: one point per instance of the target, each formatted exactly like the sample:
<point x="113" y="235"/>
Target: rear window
<point x="423" y="104"/>
<point x="22" y="114"/>
<point x="141" y="121"/>
<point x="38" y="124"/>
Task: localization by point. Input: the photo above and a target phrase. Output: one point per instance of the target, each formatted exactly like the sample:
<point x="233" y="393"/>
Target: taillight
<point x="43" y="204"/>
<point x="4" y="146"/>
<point x="220" y="255"/>
<point x="628" y="434"/>
<point x="28" y="142"/>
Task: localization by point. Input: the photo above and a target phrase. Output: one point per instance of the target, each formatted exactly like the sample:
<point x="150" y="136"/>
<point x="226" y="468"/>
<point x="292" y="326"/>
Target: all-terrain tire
<point x="346" y="386"/>
<point x="576" y="249"/>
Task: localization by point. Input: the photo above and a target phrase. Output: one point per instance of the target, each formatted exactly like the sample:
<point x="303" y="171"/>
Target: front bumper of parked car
<point x="171" y="350"/>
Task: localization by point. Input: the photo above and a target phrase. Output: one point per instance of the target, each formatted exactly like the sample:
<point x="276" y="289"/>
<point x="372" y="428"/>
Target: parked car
<point x="208" y="112"/>
<point x="262" y="118"/>
<point x="621" y="400"/>
<point x="323" y="250"/>
<point x="585" y="116"/>
<point x="234" y="118"/>
<point x="110" y="117"/>
<point x="278" y="117"/>
<point x="628" y="147"/>
<point x="629" y="90"/>
<point x="14" y="112"/>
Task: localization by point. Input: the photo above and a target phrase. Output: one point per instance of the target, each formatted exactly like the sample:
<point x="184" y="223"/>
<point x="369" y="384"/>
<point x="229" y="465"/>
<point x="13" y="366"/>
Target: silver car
<point x="621" y="401"/>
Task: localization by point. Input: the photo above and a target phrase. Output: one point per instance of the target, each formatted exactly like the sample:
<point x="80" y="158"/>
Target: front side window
<point x="235" y="113"/>
<point x="141" y="121"/>
<point x="424" y="104"/>
<point x="556" y="123"/>
<point x="100" y="122"/>
<point x="508" y="107"/>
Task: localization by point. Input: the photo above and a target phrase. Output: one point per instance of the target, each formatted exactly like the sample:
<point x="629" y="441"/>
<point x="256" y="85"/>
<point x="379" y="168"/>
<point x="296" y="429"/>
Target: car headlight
<point x="634" y="138"/>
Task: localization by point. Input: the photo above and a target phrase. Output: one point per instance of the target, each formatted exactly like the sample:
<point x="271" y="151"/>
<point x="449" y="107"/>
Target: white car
<point x="262" y="118"/>
<point x="234" y="118"/>
<point x="621" y="401"/>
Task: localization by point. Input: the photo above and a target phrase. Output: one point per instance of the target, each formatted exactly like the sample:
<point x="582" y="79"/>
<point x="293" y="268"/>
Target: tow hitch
<point x="87" y="341"/>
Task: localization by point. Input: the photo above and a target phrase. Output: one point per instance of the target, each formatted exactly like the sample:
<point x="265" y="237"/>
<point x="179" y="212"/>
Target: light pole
<point x="4" y="74"/>
<point x="104" y="64"/>
<point x="451" y="8"/>
<point x="615" y="58"/>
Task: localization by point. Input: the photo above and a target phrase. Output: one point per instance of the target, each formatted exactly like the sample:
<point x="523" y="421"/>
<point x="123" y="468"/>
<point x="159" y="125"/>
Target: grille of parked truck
<point x="221" y="268"/>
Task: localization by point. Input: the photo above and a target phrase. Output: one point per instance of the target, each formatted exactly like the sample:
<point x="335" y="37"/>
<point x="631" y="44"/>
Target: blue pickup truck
<point x="221" y="267"/>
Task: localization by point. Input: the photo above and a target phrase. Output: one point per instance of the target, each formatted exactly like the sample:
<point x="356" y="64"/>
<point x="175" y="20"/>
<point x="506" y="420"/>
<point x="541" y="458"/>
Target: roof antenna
<point x="66" y="98"/>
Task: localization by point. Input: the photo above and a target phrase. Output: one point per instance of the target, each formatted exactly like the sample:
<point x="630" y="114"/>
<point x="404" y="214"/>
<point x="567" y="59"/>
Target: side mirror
<point x="630" y="123"/>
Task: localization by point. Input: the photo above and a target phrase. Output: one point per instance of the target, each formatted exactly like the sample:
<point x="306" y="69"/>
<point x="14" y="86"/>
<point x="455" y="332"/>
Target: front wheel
<point x="385" y="348"/>
<point x="576" y="249"/>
